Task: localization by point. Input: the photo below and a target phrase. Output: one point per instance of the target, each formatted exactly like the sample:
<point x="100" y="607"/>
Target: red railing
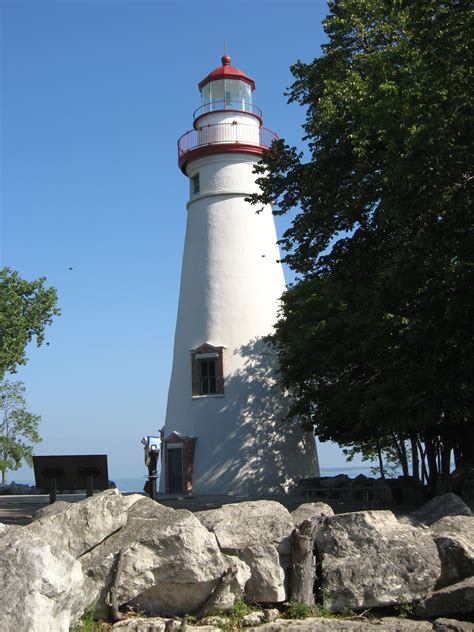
<point x="232" y="133"/>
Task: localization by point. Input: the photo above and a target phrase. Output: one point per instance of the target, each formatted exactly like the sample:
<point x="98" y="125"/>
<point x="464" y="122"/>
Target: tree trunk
<point x="446" y="457"/>
<point x="415" y="461"/>
<point x="210" y="603"/>
<point x="4" y="477"/>
<point x="402" y="454"/>
<point x="114" y="611"/>
<point x="303" y="564"/>
<point x="432" y="464"/>
<point x="424" y="473"/>
<point x="380" y="458"/>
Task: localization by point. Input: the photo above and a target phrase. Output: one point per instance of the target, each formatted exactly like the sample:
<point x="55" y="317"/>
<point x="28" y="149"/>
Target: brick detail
<point x="195" y="384"/>
<point x="187" y="453"/>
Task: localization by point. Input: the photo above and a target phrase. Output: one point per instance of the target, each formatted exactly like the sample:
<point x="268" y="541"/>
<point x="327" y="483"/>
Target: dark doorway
<point x="175" y="470"/>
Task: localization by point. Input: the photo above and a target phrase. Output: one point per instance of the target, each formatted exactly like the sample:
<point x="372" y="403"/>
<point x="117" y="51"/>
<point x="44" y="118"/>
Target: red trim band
<point x="219" y="148"/>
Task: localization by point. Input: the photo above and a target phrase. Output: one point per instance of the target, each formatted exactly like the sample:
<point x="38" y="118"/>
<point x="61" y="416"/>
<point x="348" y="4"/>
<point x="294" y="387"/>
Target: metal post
<point x="152" y="474"/>
<point x="53" y="486"/>
<point x="89" y="485"/>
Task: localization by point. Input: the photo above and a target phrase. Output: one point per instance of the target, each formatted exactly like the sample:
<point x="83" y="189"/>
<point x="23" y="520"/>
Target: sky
<point x="94" y="95"/>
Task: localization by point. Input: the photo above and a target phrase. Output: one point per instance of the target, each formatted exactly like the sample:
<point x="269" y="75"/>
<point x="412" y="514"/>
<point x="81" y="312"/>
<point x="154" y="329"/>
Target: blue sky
<point x="94" y="98"/>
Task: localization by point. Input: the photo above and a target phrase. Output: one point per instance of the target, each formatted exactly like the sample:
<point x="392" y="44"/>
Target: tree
<point x="26" y="308"/>
<point x="17" y="424"/>
<point x="375" y="337"/>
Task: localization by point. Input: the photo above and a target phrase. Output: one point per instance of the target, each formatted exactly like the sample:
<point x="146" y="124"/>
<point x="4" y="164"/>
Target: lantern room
<point x="227" y="88"/>
<point x="227" y="121"/>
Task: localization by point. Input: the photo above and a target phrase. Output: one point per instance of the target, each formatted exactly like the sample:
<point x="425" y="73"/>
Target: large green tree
<point x="18" y="428"/>
<point x="375" y="337"/>
<point x="26" y="308"/>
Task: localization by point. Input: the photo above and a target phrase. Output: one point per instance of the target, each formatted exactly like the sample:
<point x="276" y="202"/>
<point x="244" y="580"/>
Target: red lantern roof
<point x="226" y="71"/>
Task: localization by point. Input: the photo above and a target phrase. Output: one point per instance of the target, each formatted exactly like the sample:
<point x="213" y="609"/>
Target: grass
<point x="87" y="623"/>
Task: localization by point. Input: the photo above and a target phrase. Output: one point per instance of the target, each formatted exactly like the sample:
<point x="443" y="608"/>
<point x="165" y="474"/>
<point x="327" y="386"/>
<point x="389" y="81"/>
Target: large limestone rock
<point x="454" y="537"/>
<point x="307" y="511"/>
<point x="440" y="507"/>
<point x="79" y="527"/>
<point x="257" y="532"/>
<point x="370" y="559"/>
<point x="267" y="579"/>
<point x="171" y="563"/>
<point x="323" y="624"/>
<point x="243" y="524"/>
<point x="456" y="599"/>
<point x="41" y="586"/>
<point x="452" y="625"/>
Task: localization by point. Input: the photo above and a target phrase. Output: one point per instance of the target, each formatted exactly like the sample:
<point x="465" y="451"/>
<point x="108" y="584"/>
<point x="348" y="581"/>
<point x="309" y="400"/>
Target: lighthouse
<point x="224" y="432"/>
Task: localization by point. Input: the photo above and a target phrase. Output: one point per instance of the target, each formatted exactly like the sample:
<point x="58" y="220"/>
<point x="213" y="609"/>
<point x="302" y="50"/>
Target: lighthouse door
<point x="175" y="470"/>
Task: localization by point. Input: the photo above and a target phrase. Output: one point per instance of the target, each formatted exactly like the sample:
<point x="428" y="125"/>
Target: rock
<point x="19" y="489"/>
<point x="147" y="624"/>
<point x="216" y="621"/>
<point x="451" y="600"/>
<point x="370" y="559"/>
<point x="4" y="528"/>
<point x="440" y="507"/>
<point x="454" y="537"/>
<point x="257" y="532"/>
<point x="79" y="527"/>
<point x="253" y="618"/>
<point x="51" y="510"/>
<point x="238" y="585"/>
<point x="171" y="562"/>
<point x="306" y="511"/>
<point x="131" y="499"/>
<point x="322" y="624"/>
<point x="267" y="580"/>
<point x="41" y="586"/>
<point x="452" y="625"/>
<point x="239" y="525"/>
<point x="270" y="614"/>
<point x="341" y="480"/>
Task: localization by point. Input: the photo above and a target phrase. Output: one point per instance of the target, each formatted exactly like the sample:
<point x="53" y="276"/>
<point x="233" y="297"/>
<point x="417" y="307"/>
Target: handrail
<point x="222" y="105"/>
<point x="230" y="133"/>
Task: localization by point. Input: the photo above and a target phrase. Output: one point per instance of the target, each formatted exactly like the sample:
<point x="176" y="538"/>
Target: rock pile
<point x="168" y="563"/>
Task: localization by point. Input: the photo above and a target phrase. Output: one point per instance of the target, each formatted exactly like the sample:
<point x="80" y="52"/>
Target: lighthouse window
<point x="207" y="370"/>
<point x="195" y="184"/>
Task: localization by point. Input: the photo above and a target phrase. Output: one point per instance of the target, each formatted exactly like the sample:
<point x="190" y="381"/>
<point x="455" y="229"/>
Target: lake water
<point x="136" y="483"/>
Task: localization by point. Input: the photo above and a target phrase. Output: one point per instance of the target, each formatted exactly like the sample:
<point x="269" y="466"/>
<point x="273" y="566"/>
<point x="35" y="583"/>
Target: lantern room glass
<point x="226" y="94"/>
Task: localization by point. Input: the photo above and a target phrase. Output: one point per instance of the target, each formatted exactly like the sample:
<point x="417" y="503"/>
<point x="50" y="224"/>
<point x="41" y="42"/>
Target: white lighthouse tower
<point x="224" y="432"/>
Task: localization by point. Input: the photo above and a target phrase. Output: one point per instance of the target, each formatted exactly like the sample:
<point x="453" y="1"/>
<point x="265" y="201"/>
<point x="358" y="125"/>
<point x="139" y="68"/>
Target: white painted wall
<point x="229" y="296"/>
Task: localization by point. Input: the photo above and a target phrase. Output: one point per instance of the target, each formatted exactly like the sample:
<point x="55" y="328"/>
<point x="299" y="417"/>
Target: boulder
<point x="41" y="585"/>
<point x="244" y="524"/>
<point x="323" y="624"/>
<point x="79" y="527"/>
<point x="440" y="507"/>
<point x="19" y="489"/>
<point x="157" y="624"/>
<point x="451" y="600"/>
<point x="171" y="563"/>
<point x="267" y="579"/>
<point x="370" y="559"/>
<point x="306" y="511"/>
<point x="452" y="625"/>
<point x="454" y="537"/>
<point x="257" y="532"/>
<point x="51" y="510"/>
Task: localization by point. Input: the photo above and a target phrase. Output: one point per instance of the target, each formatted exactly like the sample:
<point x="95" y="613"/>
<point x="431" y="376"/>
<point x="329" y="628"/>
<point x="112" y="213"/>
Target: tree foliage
<point x="17" y="426"/>
<point x="375" y="338"/>
<point x="26" y="308"/>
